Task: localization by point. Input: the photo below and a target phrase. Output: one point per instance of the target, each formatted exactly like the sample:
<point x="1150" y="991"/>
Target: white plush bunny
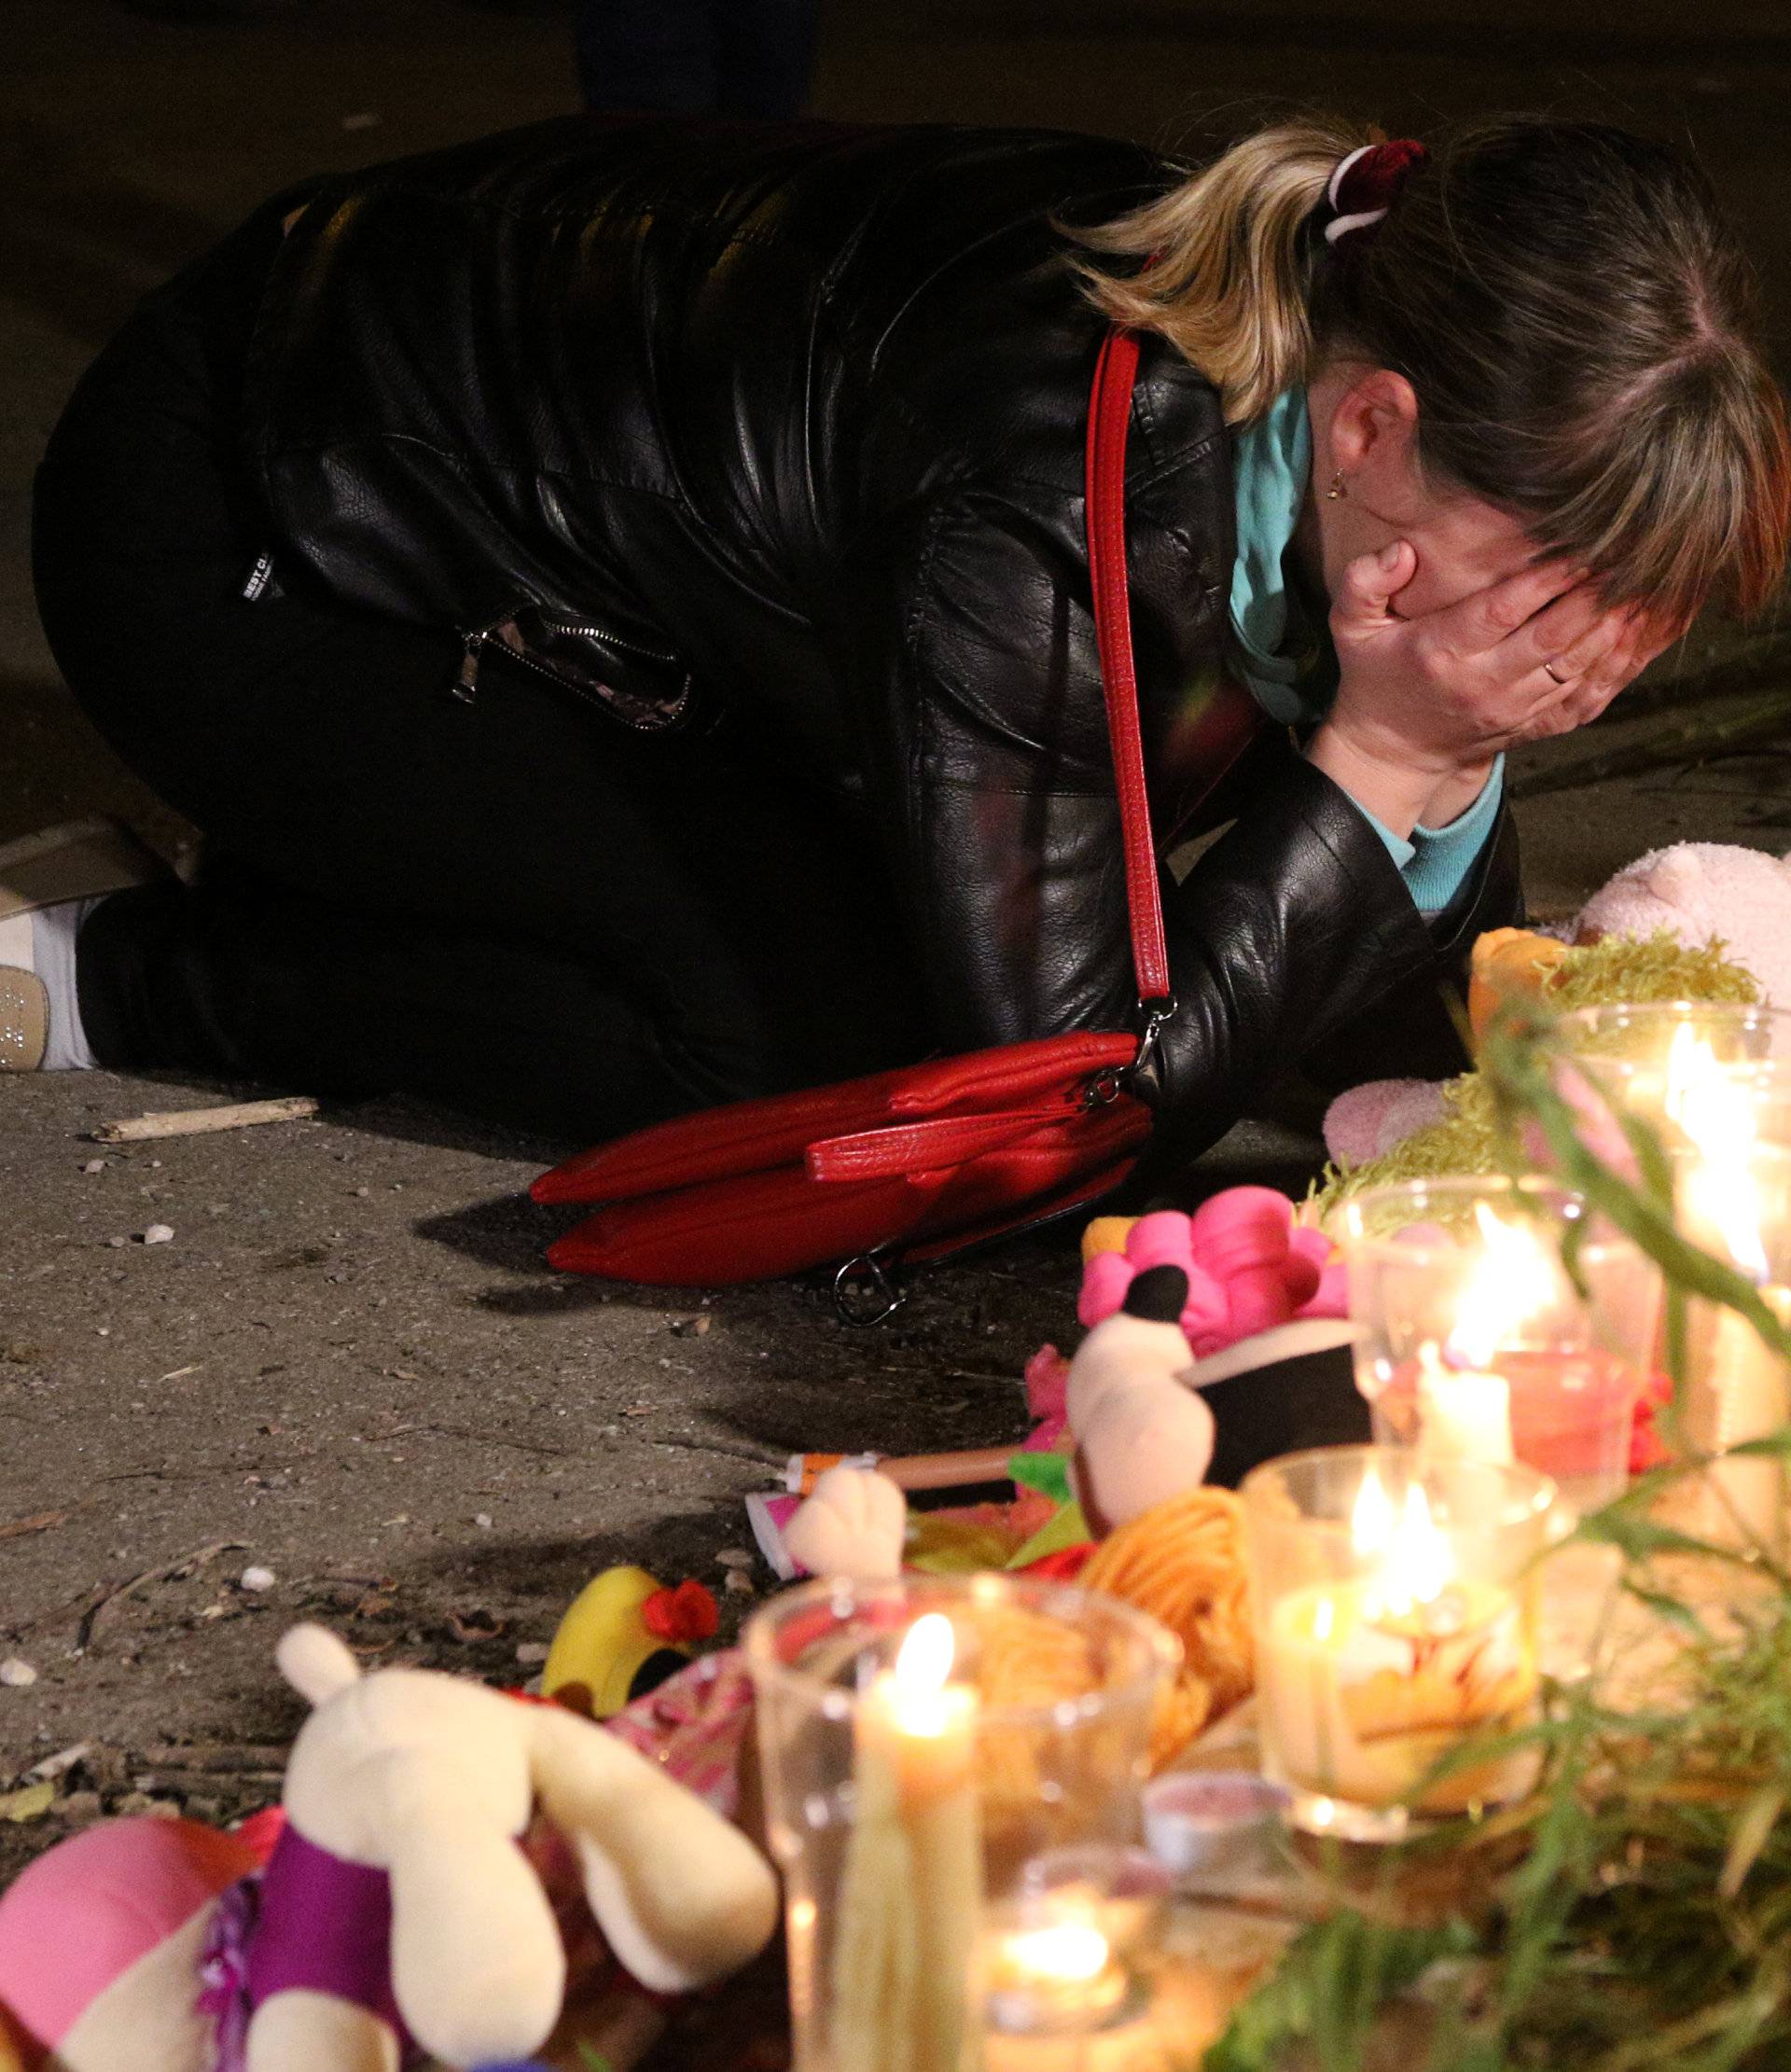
<point x="1142" y="1434"/>
<point x="854" y="1523"/>
<point x="397" y="1893"/>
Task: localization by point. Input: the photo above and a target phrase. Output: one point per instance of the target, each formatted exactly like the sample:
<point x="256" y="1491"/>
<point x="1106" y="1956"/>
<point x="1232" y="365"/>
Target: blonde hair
<point x="1228" y="283"/>
<point x="1575" y="316"/>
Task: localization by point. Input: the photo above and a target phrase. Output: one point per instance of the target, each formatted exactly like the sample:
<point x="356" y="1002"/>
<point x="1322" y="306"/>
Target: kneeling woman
<point x="616" y="603"/>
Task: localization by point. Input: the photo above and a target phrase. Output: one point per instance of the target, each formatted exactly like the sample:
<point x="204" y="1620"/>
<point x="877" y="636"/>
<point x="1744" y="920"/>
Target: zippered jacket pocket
<point x="644" y="686"/>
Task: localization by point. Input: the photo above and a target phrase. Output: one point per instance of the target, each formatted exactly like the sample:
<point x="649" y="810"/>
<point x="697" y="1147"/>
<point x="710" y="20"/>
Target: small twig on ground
<point x="213" y="1758"/>
<point x="762" y="1457"/>
<point x="39" y="1522"/>
<point x="108" y="1598"/>
<point x="241" y="1115"/>
<point x="759" y="1456"/>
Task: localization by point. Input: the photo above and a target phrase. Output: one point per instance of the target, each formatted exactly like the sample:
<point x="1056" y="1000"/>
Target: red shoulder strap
<point x="1230" y="725"/>
<point x="1109" y="418"/>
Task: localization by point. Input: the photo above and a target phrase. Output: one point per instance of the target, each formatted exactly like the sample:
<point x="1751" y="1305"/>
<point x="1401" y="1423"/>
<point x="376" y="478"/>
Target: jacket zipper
<point x="474" y="639"/>
<point x="615" y="640"/>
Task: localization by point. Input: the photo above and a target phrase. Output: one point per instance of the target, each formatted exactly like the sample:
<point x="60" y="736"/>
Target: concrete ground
<point x="348" y="1366"/>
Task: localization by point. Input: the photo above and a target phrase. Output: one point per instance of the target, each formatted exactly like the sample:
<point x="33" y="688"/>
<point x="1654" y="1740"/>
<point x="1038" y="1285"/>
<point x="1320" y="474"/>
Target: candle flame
<point x="923" y="1660"/>
<point x="1719" y="1193"/>
<point x="1513" y="1279"/>
<point x="1068" y="1954"/>
<point x="1371" y="1520"/>
<point x="1415" y="1563"/>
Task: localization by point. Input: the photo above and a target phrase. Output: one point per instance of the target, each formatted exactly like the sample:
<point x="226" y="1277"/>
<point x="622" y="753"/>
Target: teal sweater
<point x="1281" y="660"/>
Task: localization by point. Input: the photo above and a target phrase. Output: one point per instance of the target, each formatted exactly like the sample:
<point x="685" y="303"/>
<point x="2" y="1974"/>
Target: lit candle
<point x="1737" y="1387"/>
<point x="1061" y="2001"/>
<point x="1057" y="1976"/>
<point x="912" y="1895"/>
<point x="1464" y="1413"/>
<point x="1464" y="1404"/>
<point x="1520" y="1369"/>
<point x="1366" y="1682"/>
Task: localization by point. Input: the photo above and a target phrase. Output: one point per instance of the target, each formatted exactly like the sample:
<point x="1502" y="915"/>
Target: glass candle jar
<point x="1474" y="1342"/>
<point x="1650" y="1061"/>
<point x="1395" y="1606"/>
<point x="1716" y="1084"/>
<point x="1734" y="1200"/>
<point x="927" y="1743"/>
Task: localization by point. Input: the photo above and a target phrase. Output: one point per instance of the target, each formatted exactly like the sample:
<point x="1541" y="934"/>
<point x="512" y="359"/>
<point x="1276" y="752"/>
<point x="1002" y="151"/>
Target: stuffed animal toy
<point x="1149" y="1422"/>
<point x="623" y="1636"/>
<point x="854" y="1523"/>
<point x="1247" y="1264"/>
<point x="397" y="1909"/>
<point x="1701" y="893"/>
<point x="1141" y="1434"/>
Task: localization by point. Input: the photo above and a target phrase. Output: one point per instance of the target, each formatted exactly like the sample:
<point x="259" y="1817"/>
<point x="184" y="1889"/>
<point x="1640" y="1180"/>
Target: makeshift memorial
<point x="926" y="1744"/>
<point x="396" y="1905"/>
<point x="1637" y="1923"/>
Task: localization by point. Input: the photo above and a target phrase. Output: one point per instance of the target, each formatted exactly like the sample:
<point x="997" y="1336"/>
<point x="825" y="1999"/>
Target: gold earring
<point x="1339" y="488"/>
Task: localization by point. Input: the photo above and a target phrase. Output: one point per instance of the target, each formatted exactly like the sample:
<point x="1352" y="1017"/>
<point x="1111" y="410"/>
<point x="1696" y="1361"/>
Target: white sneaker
<point x="84" y="859"/>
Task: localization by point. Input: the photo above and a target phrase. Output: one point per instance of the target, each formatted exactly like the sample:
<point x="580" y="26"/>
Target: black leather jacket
<point x="785" y="429"/>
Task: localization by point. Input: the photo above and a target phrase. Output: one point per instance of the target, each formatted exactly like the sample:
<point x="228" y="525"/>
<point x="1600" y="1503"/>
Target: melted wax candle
<point x="1368" y="1682"/>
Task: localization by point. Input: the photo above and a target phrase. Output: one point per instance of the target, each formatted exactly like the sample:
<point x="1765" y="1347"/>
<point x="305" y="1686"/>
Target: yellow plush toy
<point x="621" y="1636"/>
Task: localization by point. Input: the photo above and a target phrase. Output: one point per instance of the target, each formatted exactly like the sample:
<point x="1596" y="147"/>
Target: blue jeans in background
<point x="697" y="56"/>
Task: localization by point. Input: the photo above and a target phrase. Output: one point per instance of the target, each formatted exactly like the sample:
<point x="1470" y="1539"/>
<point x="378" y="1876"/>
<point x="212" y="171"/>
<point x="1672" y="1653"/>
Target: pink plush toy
<point x="1699" y="889"/>
<point x="1248" y="1267"/>
<point x="1369" y="1121"/>
<point x="142" y="1892"/>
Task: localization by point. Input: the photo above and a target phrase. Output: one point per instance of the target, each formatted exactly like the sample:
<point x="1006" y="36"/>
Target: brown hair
<point x="1575" y="318"/>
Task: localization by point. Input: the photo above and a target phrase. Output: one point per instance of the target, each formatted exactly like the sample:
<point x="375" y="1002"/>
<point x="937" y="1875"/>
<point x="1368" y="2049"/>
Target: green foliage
<point x="1646" y="1926"/>
<point x="1329" y="1990"/>
<point x="1463" y="1141"/>
<point x="1635" y="970"/>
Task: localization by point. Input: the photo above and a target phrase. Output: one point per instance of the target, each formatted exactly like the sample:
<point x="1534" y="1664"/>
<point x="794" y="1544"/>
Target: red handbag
<point x="924" y="1160"/>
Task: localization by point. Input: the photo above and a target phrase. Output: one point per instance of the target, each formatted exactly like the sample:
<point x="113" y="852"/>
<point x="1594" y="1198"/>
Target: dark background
<point x="126" y="144"/>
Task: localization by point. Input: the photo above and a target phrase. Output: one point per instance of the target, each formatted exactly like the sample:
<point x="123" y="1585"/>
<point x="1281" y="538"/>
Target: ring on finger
<point x="1549" y="670"/>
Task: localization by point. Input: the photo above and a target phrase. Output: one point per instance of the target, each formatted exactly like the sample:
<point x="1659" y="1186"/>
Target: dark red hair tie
<point x="1366" y="184"/>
